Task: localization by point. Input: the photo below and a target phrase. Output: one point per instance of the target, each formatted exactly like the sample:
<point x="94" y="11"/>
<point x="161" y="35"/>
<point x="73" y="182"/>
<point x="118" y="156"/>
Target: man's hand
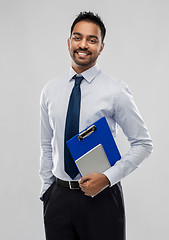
<point x="94" y="183"/>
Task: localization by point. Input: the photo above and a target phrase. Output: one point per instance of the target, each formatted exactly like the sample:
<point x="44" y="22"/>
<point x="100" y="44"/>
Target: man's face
<point x="85" y="45"/>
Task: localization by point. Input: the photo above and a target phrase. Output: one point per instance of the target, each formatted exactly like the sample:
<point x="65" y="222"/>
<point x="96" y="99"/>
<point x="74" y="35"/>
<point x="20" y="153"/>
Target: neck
<point x="80" y="69"/>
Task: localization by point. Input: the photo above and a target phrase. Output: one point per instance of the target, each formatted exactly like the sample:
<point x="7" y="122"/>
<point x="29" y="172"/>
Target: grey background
<point x="33" y="49"/>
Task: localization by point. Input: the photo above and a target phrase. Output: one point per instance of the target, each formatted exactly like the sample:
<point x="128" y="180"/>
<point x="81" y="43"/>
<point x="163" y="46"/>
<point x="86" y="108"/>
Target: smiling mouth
<point x="82" y="54"/>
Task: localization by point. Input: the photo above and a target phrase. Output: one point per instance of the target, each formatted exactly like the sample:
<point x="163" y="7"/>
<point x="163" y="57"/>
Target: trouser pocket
<point x="47" y="194"/>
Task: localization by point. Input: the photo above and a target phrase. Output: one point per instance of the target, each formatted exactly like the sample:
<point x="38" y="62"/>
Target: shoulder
<point x="54" y="84"/>
<point x="113" y="83"/>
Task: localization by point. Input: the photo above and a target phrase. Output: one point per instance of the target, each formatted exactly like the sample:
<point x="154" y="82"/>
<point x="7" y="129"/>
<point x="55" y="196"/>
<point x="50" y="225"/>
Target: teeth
<point x="81" y="53"/>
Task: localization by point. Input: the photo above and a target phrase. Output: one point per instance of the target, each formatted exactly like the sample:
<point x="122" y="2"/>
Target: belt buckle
<point x="71" y="187"/>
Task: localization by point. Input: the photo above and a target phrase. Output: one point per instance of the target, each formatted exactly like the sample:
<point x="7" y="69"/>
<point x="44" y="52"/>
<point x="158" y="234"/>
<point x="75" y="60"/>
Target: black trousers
<point x="70" y="215"/>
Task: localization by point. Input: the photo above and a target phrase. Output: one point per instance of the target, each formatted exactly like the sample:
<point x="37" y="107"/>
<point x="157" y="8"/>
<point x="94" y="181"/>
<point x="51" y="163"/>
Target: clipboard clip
<point x="87" y="132"/>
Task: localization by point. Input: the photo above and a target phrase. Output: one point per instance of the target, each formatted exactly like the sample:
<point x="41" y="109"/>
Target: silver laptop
<point x="93" y="161"/>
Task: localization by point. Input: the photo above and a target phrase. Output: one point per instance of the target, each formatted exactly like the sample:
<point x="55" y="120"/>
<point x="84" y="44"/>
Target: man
<point x="70" y="213"/>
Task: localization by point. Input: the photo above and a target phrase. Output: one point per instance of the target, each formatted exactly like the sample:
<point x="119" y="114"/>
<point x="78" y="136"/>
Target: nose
<point x="83" y="43"/>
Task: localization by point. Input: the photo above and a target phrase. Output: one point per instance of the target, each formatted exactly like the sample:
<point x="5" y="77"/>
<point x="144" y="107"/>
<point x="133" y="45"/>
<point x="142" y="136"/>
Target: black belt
<point x="73" y="185"/>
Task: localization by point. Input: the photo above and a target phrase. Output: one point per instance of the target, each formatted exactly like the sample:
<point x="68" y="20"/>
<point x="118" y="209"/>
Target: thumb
<point x="84" y="179"/>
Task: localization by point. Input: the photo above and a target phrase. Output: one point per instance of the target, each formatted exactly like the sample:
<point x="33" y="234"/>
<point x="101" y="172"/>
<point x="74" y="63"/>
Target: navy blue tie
<point x="72" y="125"/>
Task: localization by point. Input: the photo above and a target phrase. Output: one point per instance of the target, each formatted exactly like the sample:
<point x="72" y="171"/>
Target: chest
<point x="97" y="100"/>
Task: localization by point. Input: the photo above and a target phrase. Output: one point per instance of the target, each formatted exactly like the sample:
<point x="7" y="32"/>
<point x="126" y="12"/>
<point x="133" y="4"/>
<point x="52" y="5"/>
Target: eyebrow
<point x="91" y="36"/>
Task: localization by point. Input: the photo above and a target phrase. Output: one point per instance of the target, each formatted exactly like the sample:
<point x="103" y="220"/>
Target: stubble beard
<point x="83" y="64"/>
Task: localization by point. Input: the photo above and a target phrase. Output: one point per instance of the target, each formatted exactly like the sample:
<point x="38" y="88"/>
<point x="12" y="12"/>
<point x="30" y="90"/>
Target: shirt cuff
<point x="113" y="176"/>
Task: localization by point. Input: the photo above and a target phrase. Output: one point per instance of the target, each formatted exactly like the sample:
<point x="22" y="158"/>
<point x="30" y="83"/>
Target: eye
<point x="76" y="38"/>
<point x="92" y="40"/>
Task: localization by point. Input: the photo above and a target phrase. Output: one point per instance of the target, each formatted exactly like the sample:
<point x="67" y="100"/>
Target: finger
<point x="87" y="194"/>
<point x="85" y="190"/>
<point x="83" y="179"/>
<point x="82" y="188"/>
<point x="85" y="184"/>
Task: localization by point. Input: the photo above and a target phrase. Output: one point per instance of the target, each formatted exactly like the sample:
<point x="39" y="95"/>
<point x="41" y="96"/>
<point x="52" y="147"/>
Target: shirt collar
<point x="89" y="74"/>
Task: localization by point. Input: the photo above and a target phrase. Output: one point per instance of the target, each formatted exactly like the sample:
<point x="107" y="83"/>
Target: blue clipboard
<point x="97" y="133"/>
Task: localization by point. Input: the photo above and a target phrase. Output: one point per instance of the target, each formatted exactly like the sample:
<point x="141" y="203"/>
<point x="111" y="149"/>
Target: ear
<point x="101" y="48"/>
<point x="68" y="42"/>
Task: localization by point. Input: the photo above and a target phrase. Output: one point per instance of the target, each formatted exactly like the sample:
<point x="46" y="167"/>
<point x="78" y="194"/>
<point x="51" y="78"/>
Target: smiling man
<point x="85" y="45"/>
<point x="69" y="104"/>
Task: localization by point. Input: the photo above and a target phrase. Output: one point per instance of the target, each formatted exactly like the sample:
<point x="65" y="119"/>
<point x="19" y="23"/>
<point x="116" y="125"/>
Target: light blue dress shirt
<point x="101" y="95"/>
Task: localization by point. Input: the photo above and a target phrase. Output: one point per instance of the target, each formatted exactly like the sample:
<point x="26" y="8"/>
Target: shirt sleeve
<point x="46" y="135"/>
<point x="128" y="118"/>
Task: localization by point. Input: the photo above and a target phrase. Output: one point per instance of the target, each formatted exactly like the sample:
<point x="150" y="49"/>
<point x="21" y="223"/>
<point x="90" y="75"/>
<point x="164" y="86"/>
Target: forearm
<point x="46" y="174"/>
<point x="46" y="162"/>
<point x="128" y="163"/>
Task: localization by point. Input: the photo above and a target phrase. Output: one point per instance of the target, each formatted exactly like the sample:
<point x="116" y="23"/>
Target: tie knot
<point x="78" y="79"/>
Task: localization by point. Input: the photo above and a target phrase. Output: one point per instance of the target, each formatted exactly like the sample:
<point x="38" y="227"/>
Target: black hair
<point x="90" y="17"/>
